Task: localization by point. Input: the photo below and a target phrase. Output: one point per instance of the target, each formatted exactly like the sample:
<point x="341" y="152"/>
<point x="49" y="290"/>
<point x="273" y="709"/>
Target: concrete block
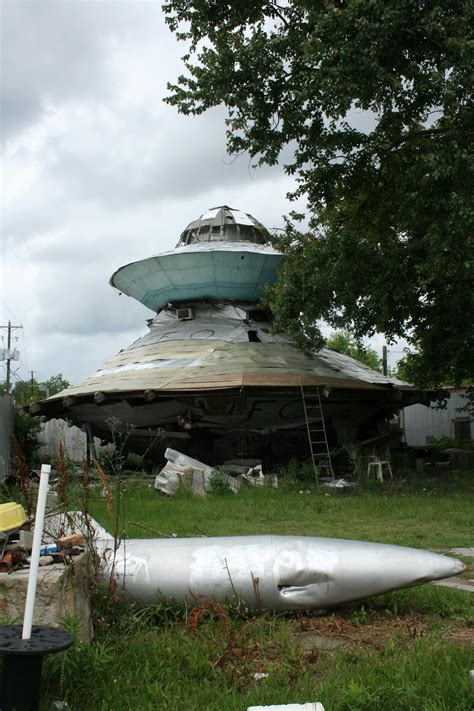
<point x="62" y="592"/>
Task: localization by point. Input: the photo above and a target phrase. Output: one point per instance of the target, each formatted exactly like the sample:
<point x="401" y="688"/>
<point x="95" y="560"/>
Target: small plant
<point x="360" y="616"/>
<point x="22" y="478"/>
<point x="207" y="608"/>
<point x="298" y="474"/>
<point x="86" y="487"/>
<point x="63" y="467"/>
<point x="451" y="443"/>
<point x="219" y="483"/>
<point x="26" y="430"/>
<point x="81" y="663"/>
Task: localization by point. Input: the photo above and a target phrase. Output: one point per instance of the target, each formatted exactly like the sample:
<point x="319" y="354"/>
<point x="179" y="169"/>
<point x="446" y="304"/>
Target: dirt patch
<point x="371" y="629"/>
<point x="309" y="641"/>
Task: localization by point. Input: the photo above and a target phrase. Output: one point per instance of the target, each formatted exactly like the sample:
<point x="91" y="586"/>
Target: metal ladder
<point x="317" y="438"/>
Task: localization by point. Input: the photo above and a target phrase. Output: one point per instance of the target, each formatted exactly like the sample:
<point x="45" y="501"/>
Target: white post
<point x="35" y="551"/>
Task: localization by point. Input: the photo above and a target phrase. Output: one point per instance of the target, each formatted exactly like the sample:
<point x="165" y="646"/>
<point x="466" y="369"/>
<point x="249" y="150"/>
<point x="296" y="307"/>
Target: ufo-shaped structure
<point x="210" y="375"/>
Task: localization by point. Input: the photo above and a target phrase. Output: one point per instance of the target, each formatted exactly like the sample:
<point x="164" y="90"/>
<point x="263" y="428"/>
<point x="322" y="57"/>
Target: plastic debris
<point x="12" y="516"/>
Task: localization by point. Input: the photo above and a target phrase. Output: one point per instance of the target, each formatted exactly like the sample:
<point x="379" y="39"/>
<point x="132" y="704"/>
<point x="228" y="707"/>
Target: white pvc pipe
<point x="35" y="551"/>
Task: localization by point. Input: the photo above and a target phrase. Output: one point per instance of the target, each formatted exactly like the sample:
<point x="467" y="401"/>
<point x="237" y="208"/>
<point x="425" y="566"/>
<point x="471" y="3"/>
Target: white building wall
<point x="422" y="423"/>
<point x="53" y="432"/>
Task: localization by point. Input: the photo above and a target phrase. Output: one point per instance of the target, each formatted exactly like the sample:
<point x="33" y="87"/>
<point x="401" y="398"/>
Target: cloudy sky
<point x="97" y="171"/>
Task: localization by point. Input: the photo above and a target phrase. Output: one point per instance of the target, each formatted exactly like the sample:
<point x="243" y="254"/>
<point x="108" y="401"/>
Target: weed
<point x="23" y="479"/>
<point x="219" y="482"/>
<point x="63" y="466"/>
<point x="359" y="616"/>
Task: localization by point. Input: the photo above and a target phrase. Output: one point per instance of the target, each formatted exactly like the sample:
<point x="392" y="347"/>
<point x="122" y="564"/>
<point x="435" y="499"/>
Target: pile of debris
<point x="16" y="541"/>
<point x="183" y="471"/>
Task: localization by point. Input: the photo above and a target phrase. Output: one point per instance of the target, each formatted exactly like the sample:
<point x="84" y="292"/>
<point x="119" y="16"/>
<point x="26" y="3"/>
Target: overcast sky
<point x="97" y="171"/>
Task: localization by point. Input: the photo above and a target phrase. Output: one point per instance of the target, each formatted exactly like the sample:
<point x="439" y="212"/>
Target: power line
<point x="9" y="309"/>
<point x="24" y="349"/>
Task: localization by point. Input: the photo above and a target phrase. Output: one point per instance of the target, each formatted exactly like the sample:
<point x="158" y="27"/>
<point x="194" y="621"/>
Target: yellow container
<point x="11" y="516"/>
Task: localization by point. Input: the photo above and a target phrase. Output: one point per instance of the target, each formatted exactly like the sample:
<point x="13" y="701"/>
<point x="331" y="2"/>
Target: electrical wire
<point x="9" y="310"/>
<point x="24" y="350"/>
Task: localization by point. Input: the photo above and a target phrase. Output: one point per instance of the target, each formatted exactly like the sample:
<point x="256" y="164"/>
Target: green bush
<point x="451" y="443"/>
<point x="26" y="430"/>
<point x="219" y="482"/>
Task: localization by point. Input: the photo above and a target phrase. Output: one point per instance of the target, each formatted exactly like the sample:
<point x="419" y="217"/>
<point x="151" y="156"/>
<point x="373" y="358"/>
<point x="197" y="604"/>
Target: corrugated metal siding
<point x="424" y="423"/>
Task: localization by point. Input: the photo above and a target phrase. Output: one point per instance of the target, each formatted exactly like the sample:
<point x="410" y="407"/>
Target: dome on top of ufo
<point x="222" y="256"/>
<point x="223" y="224"/>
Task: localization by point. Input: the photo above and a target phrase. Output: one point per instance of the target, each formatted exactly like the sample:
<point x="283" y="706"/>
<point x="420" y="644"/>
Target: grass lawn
<point x="406" y="650"/>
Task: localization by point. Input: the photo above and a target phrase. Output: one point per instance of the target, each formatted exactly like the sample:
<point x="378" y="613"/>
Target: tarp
<point x="212" y="351"/>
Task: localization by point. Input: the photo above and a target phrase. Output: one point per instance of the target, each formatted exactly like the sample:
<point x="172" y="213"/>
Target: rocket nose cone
<point x="446" y="567"/>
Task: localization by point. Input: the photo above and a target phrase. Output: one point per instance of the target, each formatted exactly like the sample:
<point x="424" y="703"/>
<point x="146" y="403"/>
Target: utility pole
<point x="384" y="360"/>
<point x="32" y="381"/>
<point x="7" y="353"/>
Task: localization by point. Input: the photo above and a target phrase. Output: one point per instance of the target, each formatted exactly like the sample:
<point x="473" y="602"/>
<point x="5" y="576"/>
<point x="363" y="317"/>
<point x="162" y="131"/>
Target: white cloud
<point x="97" y="171"/>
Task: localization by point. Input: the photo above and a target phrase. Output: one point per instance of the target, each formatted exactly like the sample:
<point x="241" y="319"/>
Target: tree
<point x="27" y="391"/>
<point x="55" y="384"/>
<point x="344" y="342"/>
<point x="374" y="99"/>
<point x="26" y="428"/>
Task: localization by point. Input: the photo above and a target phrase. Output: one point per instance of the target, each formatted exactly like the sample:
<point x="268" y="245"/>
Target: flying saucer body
<point x="210" y="374"/>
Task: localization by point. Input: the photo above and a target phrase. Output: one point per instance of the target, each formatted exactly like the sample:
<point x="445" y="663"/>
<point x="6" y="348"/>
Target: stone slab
<point x="459" y="584"/>
<point x="310" y="641"/>
<point x="466" y="552"/>
<point x="62" y="592"/>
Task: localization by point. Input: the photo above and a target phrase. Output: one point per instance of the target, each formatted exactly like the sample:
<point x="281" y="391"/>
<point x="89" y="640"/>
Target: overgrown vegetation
<point x="344" y="342"/>
<point x="386" y="660"/>
<point x="451" y="442"/>
<point x="25" y="427"/>
<point x="410" y="649"/>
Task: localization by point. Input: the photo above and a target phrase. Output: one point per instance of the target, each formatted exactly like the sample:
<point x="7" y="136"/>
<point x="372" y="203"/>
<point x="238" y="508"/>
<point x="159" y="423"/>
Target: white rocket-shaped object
<point x="268" y="572"/>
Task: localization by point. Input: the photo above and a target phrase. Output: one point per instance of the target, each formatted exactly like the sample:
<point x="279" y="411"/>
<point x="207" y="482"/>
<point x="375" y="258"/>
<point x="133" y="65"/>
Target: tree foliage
<point x="55" y="384"/>
<point x="372" y="101"/>
<point x="25" y="392"/>
<point x="344" y="342"/>
<point x="26" y="428"/>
